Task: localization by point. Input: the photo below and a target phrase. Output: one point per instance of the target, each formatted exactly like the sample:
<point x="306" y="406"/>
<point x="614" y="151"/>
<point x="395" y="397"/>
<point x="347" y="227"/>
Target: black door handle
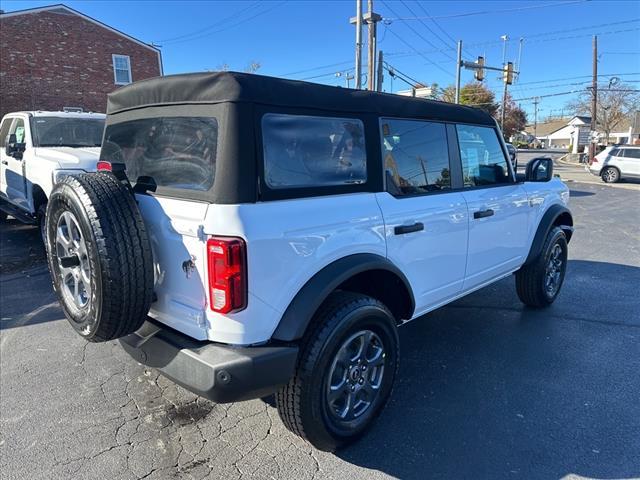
<point x="483" y="213"/>
<point x="402" y="229"/>
<point x="5" y="162"/>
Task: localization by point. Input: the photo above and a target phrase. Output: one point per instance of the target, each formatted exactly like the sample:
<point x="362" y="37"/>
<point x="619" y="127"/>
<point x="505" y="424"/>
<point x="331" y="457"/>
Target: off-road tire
<point x="301" y="402"/>
<point x="530" y="279"/>
<point x="118" y="251"/>
<point x="610" y="175"/>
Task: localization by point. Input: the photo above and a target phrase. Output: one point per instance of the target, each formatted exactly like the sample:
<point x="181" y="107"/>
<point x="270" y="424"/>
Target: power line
<point x="489" y="12"/>
<point x="423" y="56"/>
<point x="413" y="29"/>
<point x="542" y="34"/>
<point x="337" y="64"/>
<point x="427" y="27"/>
<point x="219" y="22"/>
<point x="240" y="22"/>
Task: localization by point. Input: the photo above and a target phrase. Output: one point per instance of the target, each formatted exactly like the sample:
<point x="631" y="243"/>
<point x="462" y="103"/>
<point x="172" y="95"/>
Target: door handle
<point x="483" y="213"/>
<point x="402" y="229"/>
<point x="5" y="162"/>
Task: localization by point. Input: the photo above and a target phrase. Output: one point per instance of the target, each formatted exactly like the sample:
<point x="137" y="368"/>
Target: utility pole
<point x="458" y="68"/>
<point x="507" y="77"/>
<point x="594" y="99"/>
<point x="380" y="78"/>
<point x="371" y="19"/>
<point x="358" y="73"/>
<point x="536" y="101"/>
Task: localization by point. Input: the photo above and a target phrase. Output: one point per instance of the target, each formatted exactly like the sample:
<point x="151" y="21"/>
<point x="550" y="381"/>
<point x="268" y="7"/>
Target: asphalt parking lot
<point x="486" y="389"/>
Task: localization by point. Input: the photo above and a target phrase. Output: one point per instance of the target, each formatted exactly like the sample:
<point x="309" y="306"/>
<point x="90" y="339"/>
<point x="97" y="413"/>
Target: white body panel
<point x="433" y="259"/>
<point x="498" y="243"/>
<point x="289" y="241"/>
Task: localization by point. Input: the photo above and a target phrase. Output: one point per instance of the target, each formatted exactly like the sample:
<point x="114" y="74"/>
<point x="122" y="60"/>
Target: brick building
<point x="54" y="57"/>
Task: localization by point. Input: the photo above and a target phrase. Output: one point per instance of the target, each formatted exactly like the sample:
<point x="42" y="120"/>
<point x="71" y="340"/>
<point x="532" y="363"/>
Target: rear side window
<point x="483" y="161"/>
<point x="307" y="151"/>
<point x="415" y="156"/>
<point x="631" y="152"/>
<point x="177" y="152"/>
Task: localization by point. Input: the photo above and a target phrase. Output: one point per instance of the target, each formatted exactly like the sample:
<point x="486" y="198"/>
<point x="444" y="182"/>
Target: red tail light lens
<point x="227" y="274"/>
<point x="104" y="166"/>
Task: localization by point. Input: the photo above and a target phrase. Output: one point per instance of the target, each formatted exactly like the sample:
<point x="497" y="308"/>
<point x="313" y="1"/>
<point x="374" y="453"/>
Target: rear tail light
<point x="104" y="166"/>
<point x="226" y="257"/>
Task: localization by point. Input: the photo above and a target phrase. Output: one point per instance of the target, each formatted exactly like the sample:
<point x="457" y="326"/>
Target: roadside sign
<point x="583" y="136"/>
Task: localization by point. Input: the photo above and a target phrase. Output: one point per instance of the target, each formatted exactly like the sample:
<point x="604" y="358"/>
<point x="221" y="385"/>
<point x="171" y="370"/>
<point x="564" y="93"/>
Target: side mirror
<point x="12" y="148"/>
<point x="540" y="169"/>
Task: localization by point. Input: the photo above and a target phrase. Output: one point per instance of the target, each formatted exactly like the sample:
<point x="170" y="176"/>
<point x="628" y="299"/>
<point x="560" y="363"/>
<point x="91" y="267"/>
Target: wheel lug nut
<point x="361" y="381"/>
<point x="353" y="387"/>
<point x="364" y="367"/>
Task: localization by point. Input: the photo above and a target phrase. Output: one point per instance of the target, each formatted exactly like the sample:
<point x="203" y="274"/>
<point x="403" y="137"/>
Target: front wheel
<point x="345" y="373"/>
<point x="539" y="283"/>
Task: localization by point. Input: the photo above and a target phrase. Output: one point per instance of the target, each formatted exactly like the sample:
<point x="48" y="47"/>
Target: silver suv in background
<point x="617" y="162"/>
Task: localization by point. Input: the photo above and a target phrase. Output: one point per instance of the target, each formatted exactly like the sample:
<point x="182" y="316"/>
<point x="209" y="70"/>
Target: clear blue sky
<point x="300" y="36"/>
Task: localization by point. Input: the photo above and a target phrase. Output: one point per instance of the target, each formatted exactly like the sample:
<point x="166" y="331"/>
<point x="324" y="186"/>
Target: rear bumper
<point x="218" y="372"/>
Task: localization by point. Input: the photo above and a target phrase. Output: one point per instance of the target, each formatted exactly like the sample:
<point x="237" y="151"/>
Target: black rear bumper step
<point x="221" y="373"/>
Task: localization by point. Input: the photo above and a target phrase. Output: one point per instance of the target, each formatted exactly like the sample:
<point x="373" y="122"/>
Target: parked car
<point x="38" y="149"/>
<point x="513" y="155"/>
<point x="616" y="162"/>
<point x="274" y="234"/>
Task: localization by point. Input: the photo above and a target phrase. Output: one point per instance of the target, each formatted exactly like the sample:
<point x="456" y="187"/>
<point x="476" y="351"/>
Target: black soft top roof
<point x="219" y="87"/>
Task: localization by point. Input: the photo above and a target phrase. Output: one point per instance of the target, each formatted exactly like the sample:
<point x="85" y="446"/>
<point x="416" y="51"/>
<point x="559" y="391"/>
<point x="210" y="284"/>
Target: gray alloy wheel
<point x="73" y="260"/>
<point x="610" y="175"/>
<point x="355" y="376"/>
<point x="553" y="272"/>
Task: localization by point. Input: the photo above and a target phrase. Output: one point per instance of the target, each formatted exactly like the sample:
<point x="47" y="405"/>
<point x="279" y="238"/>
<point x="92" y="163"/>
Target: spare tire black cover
<point x="99" y="256"/>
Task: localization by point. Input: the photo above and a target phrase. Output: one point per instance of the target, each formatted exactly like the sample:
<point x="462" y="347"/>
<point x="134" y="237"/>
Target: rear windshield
<point x="177" y="152"/>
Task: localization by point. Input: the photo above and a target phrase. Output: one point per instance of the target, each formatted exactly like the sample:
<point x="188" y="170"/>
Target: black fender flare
<point x="544" y="227"/>
<point x="300" y="311"/>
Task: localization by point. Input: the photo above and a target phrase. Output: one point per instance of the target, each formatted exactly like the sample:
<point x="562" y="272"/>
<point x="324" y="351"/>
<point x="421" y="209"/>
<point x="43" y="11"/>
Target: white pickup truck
<point x="38" y="149"/>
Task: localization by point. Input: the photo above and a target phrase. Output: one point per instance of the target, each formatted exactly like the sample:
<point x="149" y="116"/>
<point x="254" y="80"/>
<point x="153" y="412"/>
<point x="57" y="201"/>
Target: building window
<point x="121" y="69"/>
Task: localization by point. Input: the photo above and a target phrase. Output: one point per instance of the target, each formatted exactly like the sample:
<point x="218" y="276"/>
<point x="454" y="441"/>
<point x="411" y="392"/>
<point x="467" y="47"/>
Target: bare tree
<point x="614" y="105"/>
<point x="253" y="66"/>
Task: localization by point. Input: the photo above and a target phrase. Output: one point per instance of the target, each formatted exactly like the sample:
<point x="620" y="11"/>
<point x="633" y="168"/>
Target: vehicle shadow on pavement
<point x="488" y="388"/>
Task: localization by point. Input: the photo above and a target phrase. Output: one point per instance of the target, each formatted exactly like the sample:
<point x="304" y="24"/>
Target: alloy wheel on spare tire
<point x="99" y="256"/>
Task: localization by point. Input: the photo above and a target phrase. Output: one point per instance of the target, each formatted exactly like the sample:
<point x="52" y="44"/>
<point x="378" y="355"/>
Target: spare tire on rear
<point x="99" y="256"/>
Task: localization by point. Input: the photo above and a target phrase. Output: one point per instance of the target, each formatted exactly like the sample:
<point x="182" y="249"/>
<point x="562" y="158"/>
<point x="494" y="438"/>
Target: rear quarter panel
<point x="288" y="241"/>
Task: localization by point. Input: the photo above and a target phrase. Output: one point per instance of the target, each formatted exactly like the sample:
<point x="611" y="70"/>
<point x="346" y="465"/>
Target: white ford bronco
<point x="37" y="150"/>
<point x="250" y="235"/>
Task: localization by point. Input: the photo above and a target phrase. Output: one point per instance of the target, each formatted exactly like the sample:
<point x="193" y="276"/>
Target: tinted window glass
<point x="305" y="151"/>
<point x="177" y="152"/>
<point x="18" y="130"/>
<point x="631" y="152"/>
<point x="483" y="161"/>
<point x="67" y="132"/>
<point x="415" y="156"/>
<point x="615" y="152"/>
<point x="4" y="131"/>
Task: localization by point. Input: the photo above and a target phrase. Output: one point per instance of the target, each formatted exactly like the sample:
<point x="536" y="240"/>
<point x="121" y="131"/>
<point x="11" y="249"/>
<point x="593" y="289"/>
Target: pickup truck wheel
<point x="99" y="256"/>
<point x="539" y="283"/>
<point x="345" y="373"/>
<point x="42" y="222"/>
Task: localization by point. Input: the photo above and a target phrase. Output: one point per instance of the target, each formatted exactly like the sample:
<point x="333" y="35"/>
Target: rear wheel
<point x="345" y="374"/>
<point x="539" y="283"/>
<point x="610" y="175"/>
<point x="42" y="222"/>
<point x="99" y="256"/>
